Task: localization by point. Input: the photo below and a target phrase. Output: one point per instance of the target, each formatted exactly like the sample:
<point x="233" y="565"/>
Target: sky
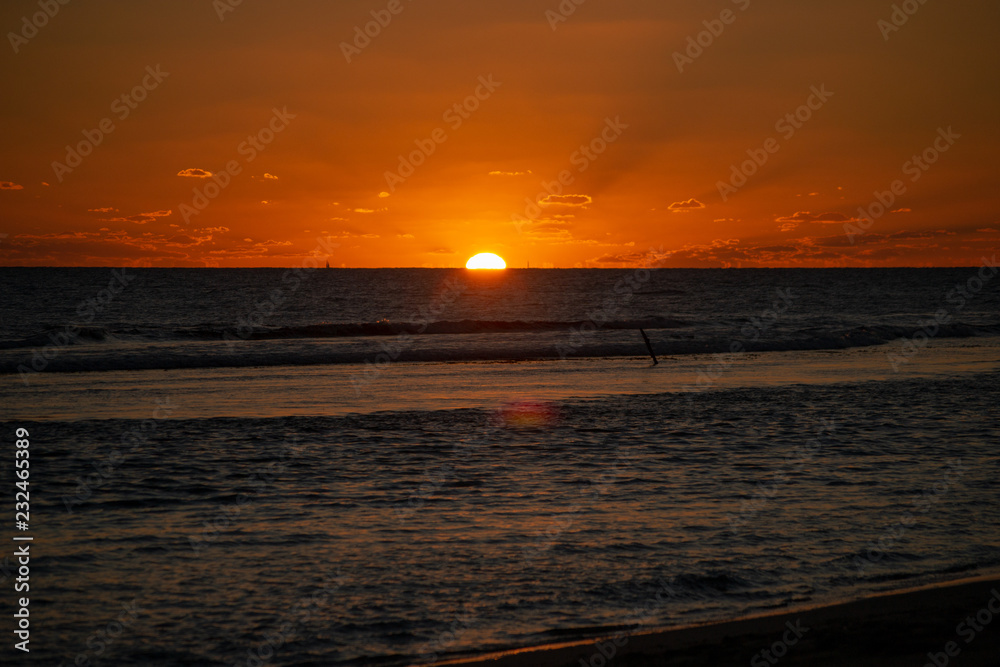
<point x="695" y="133"/>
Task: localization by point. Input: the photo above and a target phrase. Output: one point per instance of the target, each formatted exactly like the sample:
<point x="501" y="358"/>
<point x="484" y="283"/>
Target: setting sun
<point x="486" y="260"/>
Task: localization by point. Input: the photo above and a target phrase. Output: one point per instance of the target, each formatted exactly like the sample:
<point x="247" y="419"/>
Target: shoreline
<point x="903" y="627"/>
<point x="340" y="390"/>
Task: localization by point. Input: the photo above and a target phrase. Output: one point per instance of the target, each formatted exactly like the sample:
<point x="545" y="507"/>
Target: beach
<point x="954" y="623"/>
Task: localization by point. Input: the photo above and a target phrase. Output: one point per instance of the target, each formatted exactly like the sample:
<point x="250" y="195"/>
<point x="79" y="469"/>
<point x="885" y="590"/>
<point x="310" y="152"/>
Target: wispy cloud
<point x="820" y="218"/>
<point x="142" y="218"/>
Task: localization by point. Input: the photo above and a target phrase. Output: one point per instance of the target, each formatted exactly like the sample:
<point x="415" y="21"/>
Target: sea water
<point x="246" y="467"/>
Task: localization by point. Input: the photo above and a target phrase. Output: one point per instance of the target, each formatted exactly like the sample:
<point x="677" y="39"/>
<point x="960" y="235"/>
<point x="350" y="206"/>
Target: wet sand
<point x="900" y="628"/>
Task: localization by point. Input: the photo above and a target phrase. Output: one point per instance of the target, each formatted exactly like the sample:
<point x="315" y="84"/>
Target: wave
<point x="72" y="335"/>
<point x="805" y="338"/>
<point x="544" y="343"/>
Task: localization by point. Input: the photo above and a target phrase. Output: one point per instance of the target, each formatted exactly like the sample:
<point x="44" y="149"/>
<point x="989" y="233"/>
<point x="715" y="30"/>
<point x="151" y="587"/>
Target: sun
<point x="486" y="260"/>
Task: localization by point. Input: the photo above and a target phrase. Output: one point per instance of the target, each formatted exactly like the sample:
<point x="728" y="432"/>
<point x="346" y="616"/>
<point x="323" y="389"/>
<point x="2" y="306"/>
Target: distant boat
<point x="328" y="264"/>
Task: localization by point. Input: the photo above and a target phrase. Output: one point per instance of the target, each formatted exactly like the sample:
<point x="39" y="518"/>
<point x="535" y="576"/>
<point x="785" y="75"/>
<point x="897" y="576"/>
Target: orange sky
<point x="313" y="180"/>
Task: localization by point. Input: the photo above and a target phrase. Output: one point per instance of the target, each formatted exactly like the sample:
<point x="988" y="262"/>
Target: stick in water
<point x="649" y="346"/>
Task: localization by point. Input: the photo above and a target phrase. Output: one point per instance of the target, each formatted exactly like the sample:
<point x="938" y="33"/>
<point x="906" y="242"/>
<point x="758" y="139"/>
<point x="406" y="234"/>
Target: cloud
<point x="405" y="236"/>
<point x="902" y="210"/>
<point x="10" y="185"/>
<point x="510" y="173"/>
<point x="441" y="251"/>
<point x="110" y="247"/>
<point x="270" y="177"/>
<point x="106" y="209"/>
<point x="618" y="259"/>
<point x="871" y="238"/>
<point x="566" y="200"/>
<point x="195" y="173"/>
<point x="685" y="206"/>
<point x="988" y="230"/>
<point x="364" y="210"/>
<point x="871" y="249"/>
<point x="880" y="253"/>
<point x="821" y="218"/>
<point x="790" y="226"/>
<point x="142" y="218"/>
<point x="383" y="195"/>
<point x="352" y="234"/>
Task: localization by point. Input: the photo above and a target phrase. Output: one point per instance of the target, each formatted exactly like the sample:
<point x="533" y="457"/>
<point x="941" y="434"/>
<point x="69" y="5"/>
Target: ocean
<point x="389" y="467"/>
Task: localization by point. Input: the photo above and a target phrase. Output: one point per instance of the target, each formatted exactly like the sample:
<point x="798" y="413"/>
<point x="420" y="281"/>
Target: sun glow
<point x="486" y="260"/>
